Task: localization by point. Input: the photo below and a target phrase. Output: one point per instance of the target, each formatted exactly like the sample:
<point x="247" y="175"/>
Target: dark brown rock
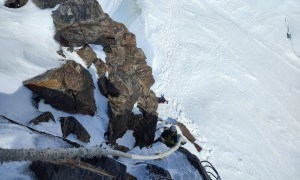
<point x="195" y="162"/>
<point x="121" y="148"/>
<point x="43" y="4"/>
<point x="36" y="100"/>
<point x="102" y="80"/>
<point x="102" y="84"/>
<point x="68" y="170"/>
<point x="101" y="67"/>
<point x="131" y="177"/>
<point x="69" y="88"/>
<point x="87" y="54"/>
<point x="44" y="117"/>
<point x="80" y="22"/>
<point x="15" y="3"/>
<point x="71" y="125"/>
<point x="156" y="172"/>
<point x="129" y="82"/>
<point x="110" y="166"/>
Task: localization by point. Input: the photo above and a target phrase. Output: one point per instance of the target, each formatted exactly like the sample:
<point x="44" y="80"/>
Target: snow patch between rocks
<point x="128" y="140"/>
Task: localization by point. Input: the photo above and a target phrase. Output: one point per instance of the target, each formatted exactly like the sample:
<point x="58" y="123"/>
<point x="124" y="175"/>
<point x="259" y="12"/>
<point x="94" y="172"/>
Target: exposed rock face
<point x="129" y="81"/>
<point x="15" y="3"/>
<point x="110" y="166"/>
<point x="44" y="117"/>
<point x="196" y="163"/>
<point x="68" y="170"/>
<point x="69" y="88"/>
<point x="87" y="54"/>
<point x="79" y="22"/>
<point x="156" y="172"/>
<point x="43" y="4"/>
<point x="71" y="125"/>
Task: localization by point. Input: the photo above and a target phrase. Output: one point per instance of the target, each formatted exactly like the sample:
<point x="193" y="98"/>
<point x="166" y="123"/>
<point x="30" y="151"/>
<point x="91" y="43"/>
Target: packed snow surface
<point x="227" y="68"/>
<point x="230" y="73"/>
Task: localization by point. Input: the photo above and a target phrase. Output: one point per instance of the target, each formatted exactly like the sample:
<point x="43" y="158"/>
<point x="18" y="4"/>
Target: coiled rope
<point x="216" y="175"/>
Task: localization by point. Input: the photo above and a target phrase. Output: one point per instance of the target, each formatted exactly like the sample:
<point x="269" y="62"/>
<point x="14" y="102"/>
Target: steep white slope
<point x="228" y="68"/>
<point x="28" y="49"/>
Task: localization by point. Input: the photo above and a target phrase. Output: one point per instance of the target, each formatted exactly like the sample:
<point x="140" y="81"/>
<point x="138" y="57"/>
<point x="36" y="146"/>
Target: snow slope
<point x="28" y="49"/>
<point x="15" y="136"/>
<point x="230" y="73"/>
<point x="226" y="67"/>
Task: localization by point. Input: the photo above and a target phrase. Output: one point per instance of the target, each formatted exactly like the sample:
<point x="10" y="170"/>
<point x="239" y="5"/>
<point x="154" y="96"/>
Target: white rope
<point x="9" y="155"/>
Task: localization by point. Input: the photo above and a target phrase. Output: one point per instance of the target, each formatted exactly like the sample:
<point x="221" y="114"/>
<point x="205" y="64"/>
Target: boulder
<point x="44" y="117"/>
<point x="87" y="54"/>
<point x="43" y="4"/>
<point x="156" y="172"/>
<point x="15" y="3"/>
<point x="195" y="162"/>
<point x="71" y="125"/>
<point x="110" y="166"/>
<point x="68" y="170"/>
<point x="80" y="22"/>
<point x="68" y="88"/>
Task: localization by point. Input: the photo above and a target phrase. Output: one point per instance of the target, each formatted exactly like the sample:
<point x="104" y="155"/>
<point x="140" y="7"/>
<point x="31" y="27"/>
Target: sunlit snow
<point x="227" y="68"/>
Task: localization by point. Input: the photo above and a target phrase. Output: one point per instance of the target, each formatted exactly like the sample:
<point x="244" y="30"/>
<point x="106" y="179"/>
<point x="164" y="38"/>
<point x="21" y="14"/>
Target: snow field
<point x="231" y="75"/>
<point x="227" y="68"/>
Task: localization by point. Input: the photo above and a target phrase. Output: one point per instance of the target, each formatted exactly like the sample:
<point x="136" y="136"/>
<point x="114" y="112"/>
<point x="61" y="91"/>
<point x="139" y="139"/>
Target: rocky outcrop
<point x="129" y="78"/>
<point x="195" y="162"/>
<point x="185" y="131"/>
<point x="68" y="88"/>
<point x="43" y="4"/>
<point x="87" y="54"/>
<point x="15" y="3"/>
<point x="44" y="117"/>
<point x="156" y="172"/>
<point x="80" y="22"/>
<point x="129" y="82"/>
<point x="68" y="170"/>
<point x="110" y="166"/>
<point x="71" y="125"/>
